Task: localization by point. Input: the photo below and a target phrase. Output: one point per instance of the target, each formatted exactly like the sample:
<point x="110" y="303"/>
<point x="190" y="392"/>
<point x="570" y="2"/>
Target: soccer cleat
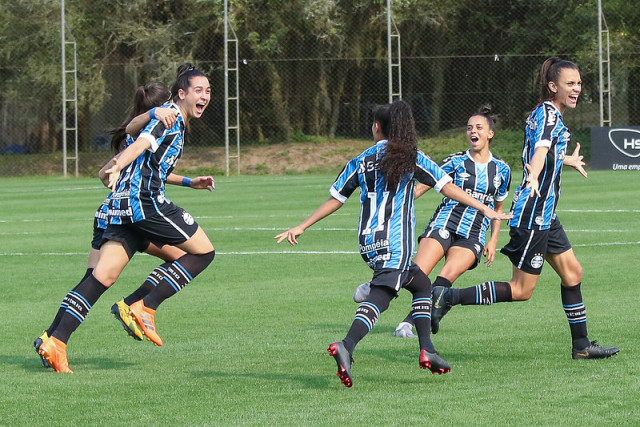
<point x="441" y="305"/>
<point x="404" y="330"/>
<point x="36" y="346"/>
<point x="55" y="352"/>
<point x="362" y="292"/>
<point x="433" y="362"/>
<point x="344" y="360"/>
<point x="121" y="312"/>
<point x="145" y="318"/>
<point x="594" y="351"/>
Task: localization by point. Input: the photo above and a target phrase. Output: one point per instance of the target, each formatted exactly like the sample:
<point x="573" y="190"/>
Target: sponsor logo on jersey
<point x="120" y="212"/>
<point x="377" y="245"/>
<point x="443" y="233"/>
<point x="551" y="116"/>
<point x="539" y="220"/>
<point x="537" y="261"/>
<point x="481" y="197"/>
<point x="627" y="141"/>
<point x="188" y="219"/>
<point x="532" y="124"/>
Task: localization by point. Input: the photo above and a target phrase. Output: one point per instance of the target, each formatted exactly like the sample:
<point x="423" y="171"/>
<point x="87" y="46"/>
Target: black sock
<point x="173" y="276"/>
<point x="420" y="288"/>
<point x="367" y="315"/>
<point x="79" y="301"/>
<point x="149" y="284"/>
<point x="576" y="315"/>
<point x="440" y="281"/>
<point x="63" y="306"/>
<point x="485" y="293"/>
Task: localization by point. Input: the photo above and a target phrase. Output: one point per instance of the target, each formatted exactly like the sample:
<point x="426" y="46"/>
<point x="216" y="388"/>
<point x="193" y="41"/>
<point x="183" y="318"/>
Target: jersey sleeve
<point x="429" y="173"/>
<point x="346" y="182"/>
<point x="547" y="120"/>
<point x="154" y="132"/>
<point x="505" y="176"/>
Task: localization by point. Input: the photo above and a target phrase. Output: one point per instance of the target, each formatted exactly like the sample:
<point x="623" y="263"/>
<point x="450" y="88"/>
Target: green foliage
<point x="245" y="342"/>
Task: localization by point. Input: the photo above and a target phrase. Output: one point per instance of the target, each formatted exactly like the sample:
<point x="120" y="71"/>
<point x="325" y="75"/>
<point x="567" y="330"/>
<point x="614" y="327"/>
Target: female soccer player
<point x="139" y="211"/>
<point x="457" y="231"/>
<point x="385" y="174"/>
<point x="146" y="98"/>
<point x="535" y="231"/>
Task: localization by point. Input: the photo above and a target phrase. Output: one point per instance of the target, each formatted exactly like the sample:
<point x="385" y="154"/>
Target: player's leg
<point x="570" y="271"/>
<point x="113" y="259"/>
<point x="430" y="252"/>
<point x="171" y="277"/>
<point x="420" y="287"/>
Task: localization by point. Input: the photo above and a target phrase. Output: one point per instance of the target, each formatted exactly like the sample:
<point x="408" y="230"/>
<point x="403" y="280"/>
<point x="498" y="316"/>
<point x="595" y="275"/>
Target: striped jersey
<point x="387" y="218"/>
<point x="140" y="188"/>
<point x="544" y="128"/>
<point x="486" y="182"/>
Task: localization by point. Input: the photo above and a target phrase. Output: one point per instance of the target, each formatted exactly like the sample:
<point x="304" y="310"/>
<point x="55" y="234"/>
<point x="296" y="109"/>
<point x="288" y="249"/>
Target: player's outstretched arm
<point x="454" y="192"/>
<point x="324" y="210"/>
<point x="198" y="183"/>
<point x="124" y="159"/>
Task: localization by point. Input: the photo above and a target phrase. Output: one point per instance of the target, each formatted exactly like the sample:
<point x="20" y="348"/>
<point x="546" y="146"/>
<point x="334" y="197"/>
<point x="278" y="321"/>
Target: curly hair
<point x="399" y="158"/>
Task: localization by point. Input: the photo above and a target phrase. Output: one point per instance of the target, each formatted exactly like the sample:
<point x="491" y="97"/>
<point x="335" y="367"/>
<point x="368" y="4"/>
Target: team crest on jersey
<point x="443" y="233"/>
<point x="539" y="220"/>
<point x="160" y="198"/>
<point x="188" y="219"/>
<point x="477" y="248"/>
<point x="497" y="181"/>
<point x="537" y="261"/>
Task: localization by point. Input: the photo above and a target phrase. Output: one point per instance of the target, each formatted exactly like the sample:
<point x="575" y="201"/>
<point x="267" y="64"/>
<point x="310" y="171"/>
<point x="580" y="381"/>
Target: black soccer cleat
<point x="594" y="351"/>
<point x="433" y="362"/>
<point x="441" y="298"/>
<point x="344" y="360"/>
<point x="36" y="346"/>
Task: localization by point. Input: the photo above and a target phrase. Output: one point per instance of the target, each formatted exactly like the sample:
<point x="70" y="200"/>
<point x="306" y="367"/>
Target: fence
<point x="310" y="88"/>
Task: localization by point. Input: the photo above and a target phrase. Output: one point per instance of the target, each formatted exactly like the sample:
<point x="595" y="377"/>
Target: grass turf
<point x="245" y="343"/>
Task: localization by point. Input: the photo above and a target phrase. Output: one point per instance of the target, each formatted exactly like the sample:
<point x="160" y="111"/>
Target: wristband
<point x="152" y="113"/>
<point x="186" y="182"/>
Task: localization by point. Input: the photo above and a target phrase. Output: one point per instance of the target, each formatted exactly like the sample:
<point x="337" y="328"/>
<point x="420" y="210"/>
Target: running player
<point x="535" y="230"/>
<point x="456" y="231"/>
<point x="385" y="174"/>
<point x="146" y="98"/>
<point x="139" y="211"/>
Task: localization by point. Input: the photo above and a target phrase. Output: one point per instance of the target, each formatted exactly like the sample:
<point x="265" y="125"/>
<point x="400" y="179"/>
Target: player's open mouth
<point x="200" y="107"/>
<point x="573" y="98"/>
<point x="474" y="138"/>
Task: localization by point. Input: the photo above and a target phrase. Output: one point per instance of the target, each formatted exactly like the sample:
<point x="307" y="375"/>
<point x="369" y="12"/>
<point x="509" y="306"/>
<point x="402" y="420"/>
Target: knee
<point x="519" y="292"/>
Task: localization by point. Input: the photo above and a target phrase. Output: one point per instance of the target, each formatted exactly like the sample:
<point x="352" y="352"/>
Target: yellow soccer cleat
<point x="121" y="312"/>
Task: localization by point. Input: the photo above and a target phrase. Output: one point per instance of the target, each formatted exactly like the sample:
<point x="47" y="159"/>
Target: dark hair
<point x="185" y="72"/>
<point x="550" y="72"/>
<point x="491" y="118"/>
<point x="146" y="97"/>
<point x="397" y="124"/>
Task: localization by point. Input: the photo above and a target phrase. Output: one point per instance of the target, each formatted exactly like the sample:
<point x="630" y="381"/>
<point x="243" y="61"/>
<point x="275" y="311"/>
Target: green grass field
<point x="245" y="343"/>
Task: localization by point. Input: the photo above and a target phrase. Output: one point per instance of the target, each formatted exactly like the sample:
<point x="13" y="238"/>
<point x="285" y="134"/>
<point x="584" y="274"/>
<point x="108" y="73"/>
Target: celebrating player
<point x="139" y="211"/>
<point x="536" y="233"/>
<point x="457" y="231"/>
<point x="385" y="174"/>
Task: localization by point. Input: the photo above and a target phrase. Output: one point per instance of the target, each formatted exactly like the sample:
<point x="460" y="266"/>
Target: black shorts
<point x="98" y="239"/>
<point x="448" y="239"/>
<point x="394" y="278"/>
<point x="527" y="248"/>
<point x="172" y="226"/>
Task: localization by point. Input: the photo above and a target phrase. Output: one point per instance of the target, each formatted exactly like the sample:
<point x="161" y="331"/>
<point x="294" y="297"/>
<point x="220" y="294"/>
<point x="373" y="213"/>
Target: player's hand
<point x="114" y="173"/>
<point x="532" y="183"/>
<point x="167" y="116"/>
<point x="291" y="235"/>
<point x="203" y="183"/>
<point x="489" y="253"/>
<point x="493" y="215"/>
<point x="575" y="161"/>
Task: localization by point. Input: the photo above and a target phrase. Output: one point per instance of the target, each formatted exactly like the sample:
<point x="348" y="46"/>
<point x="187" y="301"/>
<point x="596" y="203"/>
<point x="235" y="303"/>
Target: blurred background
<point x="304" y="68"/>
